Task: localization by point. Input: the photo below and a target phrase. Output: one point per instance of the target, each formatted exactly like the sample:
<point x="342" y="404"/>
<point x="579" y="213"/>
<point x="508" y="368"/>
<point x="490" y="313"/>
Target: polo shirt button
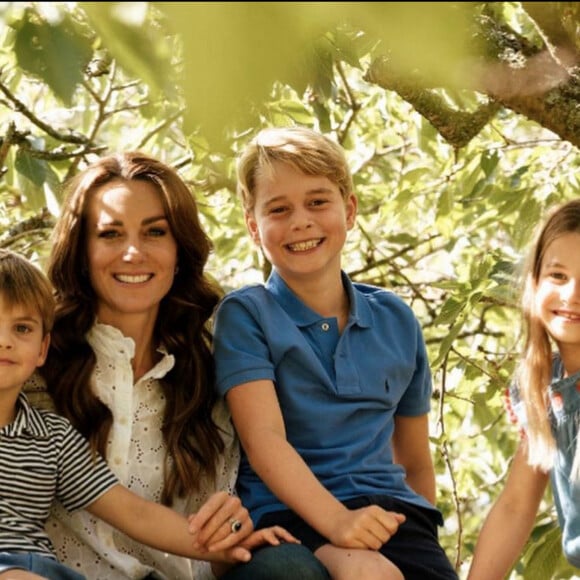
<point x="325" y="326"/>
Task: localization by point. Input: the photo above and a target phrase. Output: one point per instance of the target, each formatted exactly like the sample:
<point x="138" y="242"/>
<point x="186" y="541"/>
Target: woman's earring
<point x="176" y="270"/>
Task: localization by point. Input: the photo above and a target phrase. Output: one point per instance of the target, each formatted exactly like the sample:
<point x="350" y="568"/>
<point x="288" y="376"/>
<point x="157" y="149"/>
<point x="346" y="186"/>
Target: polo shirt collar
<point x="27" y="420"/>
<point x="360" y="312"/>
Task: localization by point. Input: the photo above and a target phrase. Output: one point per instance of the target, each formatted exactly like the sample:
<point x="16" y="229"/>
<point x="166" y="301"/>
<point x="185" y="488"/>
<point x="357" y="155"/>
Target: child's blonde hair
<point x="22" y="283"/>
<point x="304" y="149"/>
<point x="535" y="369"/>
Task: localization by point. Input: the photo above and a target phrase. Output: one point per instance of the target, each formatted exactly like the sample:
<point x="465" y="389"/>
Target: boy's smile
<point x="300" y="221"/>
<point x="304" y="246"/>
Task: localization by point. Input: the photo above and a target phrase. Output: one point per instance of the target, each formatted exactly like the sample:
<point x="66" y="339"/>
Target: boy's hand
<point x="369" y="527"/>
<point x="273" y="536"/>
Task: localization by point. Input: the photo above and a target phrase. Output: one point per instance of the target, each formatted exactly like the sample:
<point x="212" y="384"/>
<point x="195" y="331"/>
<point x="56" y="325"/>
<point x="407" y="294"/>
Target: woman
<point x="130" y="364"/>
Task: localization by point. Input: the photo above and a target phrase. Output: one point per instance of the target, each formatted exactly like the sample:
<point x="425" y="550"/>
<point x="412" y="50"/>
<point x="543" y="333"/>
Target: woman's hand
<point x="221" y="523"/>
<point x="223" y="527"/>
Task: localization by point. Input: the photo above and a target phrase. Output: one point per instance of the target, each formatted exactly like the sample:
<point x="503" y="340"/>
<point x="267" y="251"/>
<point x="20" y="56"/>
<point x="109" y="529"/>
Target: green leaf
<point x="31" y="176"/>
<point x="323" y="115"/>
<point x="448" y="340"/>
<point x="489" y="161"/>
<point x="135" y="41"/>
<point x="31" y="168"/>
<point x="544" y="556"/>
<point x="345" y="48"/>
<point x="450" y="310"/>
<point x="483" y="414"/>
<point x="295" y="110"/>
<point x="55" y="53"/>
<point x="445" y="203"/>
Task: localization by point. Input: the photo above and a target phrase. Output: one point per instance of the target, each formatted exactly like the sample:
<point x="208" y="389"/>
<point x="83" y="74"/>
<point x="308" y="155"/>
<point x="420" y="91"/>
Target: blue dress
<point x="564" y="414"/>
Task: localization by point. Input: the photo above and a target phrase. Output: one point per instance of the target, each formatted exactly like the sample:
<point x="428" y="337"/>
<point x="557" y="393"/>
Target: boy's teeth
<point x="301" y="246"/>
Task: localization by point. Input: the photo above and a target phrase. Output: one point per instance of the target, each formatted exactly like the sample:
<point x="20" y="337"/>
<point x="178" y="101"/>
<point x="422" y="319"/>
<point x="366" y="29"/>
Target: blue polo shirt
<point x="339" y="393"/>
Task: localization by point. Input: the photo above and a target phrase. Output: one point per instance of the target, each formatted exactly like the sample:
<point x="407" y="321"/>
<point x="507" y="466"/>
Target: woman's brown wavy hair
<point x="192" y="438"/>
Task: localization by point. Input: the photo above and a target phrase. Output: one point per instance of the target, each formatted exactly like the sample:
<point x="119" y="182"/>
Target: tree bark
<point x="541" y="83"/>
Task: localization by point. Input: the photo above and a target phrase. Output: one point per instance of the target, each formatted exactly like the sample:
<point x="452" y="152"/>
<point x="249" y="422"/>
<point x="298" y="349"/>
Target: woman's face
<point x="131" y="250"/>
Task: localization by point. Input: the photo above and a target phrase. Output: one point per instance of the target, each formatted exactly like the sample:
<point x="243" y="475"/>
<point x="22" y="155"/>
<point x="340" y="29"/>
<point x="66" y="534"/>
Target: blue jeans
<point x="283" y="562"/>
<point x="39" y="564"/>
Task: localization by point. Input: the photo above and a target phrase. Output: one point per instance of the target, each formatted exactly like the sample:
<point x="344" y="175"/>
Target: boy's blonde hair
<point x="304" y="149"/>
<point x="22" y="283"/>
<point x="535" y="368"/>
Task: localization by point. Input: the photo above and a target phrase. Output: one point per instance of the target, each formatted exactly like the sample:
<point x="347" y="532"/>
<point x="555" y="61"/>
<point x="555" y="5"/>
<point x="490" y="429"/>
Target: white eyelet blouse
<point x="135" y="453"/>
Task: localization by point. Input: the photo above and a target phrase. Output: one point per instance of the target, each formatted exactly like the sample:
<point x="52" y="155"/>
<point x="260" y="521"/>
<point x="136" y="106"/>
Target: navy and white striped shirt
<point x="43" y="458"/>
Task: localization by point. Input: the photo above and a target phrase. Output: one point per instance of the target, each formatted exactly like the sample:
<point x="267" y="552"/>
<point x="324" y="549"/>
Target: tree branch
<point x="542" y="84"/>
<point x="457" y="127"/>
<point x="20" y="107"/>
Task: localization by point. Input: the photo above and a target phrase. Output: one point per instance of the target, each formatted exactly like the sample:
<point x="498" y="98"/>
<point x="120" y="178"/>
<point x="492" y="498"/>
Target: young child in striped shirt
<point x="43" y="458"/>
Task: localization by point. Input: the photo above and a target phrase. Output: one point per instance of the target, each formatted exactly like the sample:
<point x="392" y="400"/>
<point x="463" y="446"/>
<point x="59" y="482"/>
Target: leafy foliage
<point x="443" y="225"/>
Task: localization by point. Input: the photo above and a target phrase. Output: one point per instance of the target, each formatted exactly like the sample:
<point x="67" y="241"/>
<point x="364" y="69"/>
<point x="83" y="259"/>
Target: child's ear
<point x="351" y="205"/>
<point x="252" y="226"/>
<point x="43" y="350"/>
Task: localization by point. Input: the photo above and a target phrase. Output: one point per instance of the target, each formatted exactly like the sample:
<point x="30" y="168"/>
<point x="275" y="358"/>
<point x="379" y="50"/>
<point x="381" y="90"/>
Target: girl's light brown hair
<point x="535" y="369"/>
<point x="304" y="149"/>
<point x="23" y="284"/>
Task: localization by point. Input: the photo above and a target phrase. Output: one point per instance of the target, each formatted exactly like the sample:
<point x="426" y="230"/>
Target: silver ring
<point x="235" y="526"/>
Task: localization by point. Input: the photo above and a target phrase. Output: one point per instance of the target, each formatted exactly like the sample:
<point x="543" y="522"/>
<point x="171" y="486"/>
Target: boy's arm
<point x="411" y="450"/>
<point x="258" y="420"/>
<point x="509" y="522"/>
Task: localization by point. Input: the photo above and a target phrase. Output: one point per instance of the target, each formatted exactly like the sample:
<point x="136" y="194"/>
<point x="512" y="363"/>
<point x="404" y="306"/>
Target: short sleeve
<point x="83" y="475"/>
<point x="417" y="398"/>
<point x="241" y="351"/>
<point x="514" y="407"/>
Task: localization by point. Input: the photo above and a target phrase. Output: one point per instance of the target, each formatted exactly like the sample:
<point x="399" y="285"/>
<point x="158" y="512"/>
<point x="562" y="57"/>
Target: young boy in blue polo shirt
<point x="42" y="458"/>
<point x="327" y="380"/>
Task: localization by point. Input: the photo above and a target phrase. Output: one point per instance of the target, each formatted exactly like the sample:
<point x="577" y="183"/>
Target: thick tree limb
<point x="457" y="127"/>
<point x="542" y="84"/>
